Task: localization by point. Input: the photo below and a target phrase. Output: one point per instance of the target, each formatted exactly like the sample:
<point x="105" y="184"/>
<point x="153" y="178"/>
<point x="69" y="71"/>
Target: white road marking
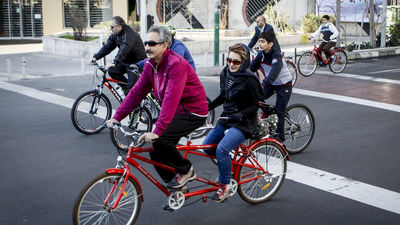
<point x="345" y="187"/>
<point x="361" y="77"/>
<point x="385" y="71"/>
<point x="335" y="184"/>
<point x="359" y="101"/>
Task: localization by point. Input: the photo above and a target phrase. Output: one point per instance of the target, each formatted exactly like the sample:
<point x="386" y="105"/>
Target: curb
<point x="372" y="53"/>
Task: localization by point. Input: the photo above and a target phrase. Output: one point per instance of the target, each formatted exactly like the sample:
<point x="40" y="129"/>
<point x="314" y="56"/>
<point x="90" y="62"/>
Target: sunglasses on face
<point x="112" y="27"/>
<point x="234" y="62"/>
<point x="152" y="43"/>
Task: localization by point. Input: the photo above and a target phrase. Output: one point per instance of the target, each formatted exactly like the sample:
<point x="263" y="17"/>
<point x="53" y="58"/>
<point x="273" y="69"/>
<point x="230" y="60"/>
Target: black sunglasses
<point x="112" y="27"/>
<point x="152" y="43"/>
<point x="234" y="62"/>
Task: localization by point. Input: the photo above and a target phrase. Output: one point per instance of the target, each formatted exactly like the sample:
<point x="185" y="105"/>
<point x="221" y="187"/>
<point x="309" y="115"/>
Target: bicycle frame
<point x="107" y="82"/>
<point x="316" y="52"/>
<point x="237" y="160"/>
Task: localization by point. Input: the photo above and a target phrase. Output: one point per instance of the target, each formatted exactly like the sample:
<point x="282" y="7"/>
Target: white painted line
<point x="359" y="101"/>
<point x="385" y="71"/>
<point x="361" y="77"/>
<point x="345" y="187"/>
<point x="335" y="184"/>
<point x="37" y="94"/>
<point x="51" y="98"/>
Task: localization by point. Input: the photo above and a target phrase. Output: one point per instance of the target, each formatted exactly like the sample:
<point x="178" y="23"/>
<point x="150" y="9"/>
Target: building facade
<point x="35" y="18"/>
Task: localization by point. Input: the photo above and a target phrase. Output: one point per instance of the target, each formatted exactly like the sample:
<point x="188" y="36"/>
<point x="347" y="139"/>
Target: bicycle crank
<point x="176" y="200"/>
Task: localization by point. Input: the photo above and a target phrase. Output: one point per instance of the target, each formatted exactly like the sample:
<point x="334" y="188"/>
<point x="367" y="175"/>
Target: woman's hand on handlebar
<point x="148" y="136"/>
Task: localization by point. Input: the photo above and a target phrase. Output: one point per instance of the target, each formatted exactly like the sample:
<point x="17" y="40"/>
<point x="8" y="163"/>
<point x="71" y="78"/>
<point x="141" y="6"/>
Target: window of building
<point x="99" y="11"/>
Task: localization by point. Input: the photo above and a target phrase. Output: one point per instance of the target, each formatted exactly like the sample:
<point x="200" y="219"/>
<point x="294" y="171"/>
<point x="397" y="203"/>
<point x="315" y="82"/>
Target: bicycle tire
<point x="88" y="122"/>
<point x="210" y="119"/>
<point x="307" y="64"/>
<point x="297" y="140"/>
<point x="272" y="158"/>
<point x="89" y="206"/>
<point x="340" y="61"/>
<point x="141" y="122"/>
<point x="292" y="70"/>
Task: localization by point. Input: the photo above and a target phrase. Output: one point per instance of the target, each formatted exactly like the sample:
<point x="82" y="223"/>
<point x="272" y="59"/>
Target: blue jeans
<point x="226" y="143"/>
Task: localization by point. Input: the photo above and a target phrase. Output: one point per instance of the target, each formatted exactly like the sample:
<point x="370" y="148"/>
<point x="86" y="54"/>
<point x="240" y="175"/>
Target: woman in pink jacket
<point x="183" y="105"/>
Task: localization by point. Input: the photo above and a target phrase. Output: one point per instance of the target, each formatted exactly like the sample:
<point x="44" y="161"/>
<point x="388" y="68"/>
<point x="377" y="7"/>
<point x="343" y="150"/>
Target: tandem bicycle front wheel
<point x="90" y="112"/>
<point x="263" y="172"/>
<point x="92" y="207"/>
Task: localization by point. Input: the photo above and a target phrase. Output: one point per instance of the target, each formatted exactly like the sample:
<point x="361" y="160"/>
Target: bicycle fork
<point x="96" y="101"/>
<point x="124" y="180"/>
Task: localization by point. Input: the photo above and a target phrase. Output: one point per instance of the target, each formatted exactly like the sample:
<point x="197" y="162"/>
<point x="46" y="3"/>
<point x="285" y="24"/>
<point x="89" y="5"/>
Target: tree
<point x="79" y="21"/>
<point x="372" y="23"/>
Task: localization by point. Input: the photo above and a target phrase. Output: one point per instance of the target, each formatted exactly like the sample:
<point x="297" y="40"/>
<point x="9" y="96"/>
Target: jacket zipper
<point x="157" y="80"/>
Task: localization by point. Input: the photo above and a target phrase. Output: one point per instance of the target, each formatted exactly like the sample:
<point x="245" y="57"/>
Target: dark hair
<point x="119" y="21"/>
<point x="326" y="17"/>
<point x="268" y="36"/>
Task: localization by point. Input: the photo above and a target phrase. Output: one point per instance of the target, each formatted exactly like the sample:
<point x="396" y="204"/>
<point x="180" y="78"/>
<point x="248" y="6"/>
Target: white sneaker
<point x="224" y="191"/>
<point x="181" y="179"/>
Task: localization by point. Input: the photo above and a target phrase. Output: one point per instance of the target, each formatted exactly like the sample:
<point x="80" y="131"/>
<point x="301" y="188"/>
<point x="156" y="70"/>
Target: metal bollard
<point x="223" y="58"/>
<point x="205" y="58"/>
<point x="8" y="63"/>
<point x="83" y="66"/>
<point x="23" y="60"/>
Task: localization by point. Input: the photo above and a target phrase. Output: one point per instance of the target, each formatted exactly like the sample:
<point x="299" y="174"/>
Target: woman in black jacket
<point x="240" y="93"/>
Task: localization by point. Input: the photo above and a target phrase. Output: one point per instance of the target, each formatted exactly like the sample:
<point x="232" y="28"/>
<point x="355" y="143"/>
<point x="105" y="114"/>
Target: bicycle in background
<point x="115" y="196"/>
<point x="309" y="61"/>
<point x="93" y="108"/>
<point x="299" y="126"/>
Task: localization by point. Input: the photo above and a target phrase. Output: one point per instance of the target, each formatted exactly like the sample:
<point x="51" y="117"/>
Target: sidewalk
<point x="37" y="64"/>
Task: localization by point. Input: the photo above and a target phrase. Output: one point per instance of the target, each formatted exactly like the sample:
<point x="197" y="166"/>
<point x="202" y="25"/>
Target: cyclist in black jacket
<point x="131" y="50"/>
<point x="240" y="92"/>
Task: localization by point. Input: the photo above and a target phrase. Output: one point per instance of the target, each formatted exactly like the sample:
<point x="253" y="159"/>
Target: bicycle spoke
<point x="91" y="209"/>
<point x="272" y="161"/>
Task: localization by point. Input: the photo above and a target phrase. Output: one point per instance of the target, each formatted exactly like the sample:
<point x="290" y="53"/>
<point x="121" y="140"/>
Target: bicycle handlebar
<point x="102" y="68"/>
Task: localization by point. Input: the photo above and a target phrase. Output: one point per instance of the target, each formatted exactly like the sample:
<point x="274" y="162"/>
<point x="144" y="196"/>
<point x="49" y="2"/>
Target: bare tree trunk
<point x="372" y="23"/>
<point x="311" y="5"/>
<point x="338" y="12"/>
<point x="383" y="31"/>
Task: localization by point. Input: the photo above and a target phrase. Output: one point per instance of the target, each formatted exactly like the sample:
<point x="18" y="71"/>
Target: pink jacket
<point x="175" y="85"/>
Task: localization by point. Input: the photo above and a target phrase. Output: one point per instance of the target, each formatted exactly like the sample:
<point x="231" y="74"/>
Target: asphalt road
<point x="45" y="162"/>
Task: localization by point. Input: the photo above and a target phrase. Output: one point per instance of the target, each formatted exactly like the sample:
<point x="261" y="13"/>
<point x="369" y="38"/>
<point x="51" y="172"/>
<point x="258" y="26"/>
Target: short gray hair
<point x="163" y="34"/>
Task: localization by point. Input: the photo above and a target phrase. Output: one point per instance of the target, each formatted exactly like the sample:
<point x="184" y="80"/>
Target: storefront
<point x="21" y="19"/>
